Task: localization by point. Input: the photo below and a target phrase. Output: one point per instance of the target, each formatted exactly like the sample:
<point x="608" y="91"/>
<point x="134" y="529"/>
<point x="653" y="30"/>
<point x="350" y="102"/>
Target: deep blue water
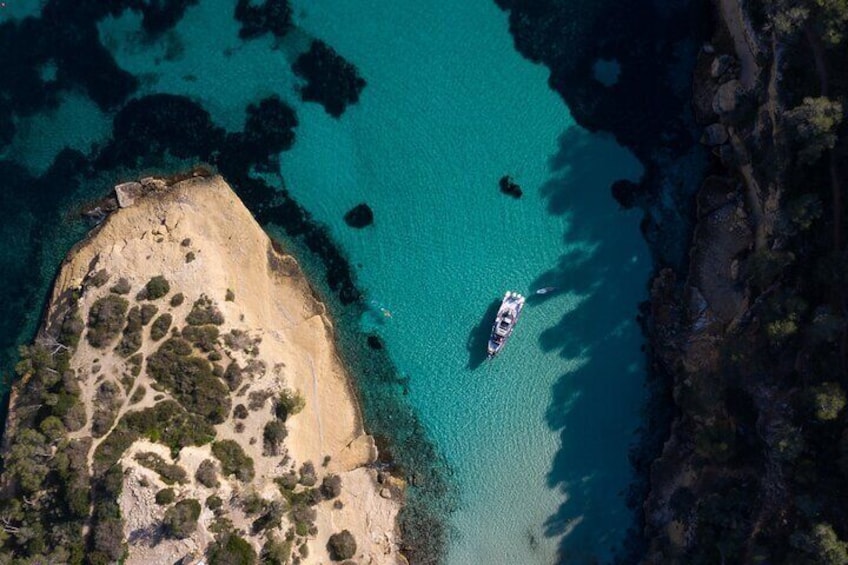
<point x="534" y="442"/>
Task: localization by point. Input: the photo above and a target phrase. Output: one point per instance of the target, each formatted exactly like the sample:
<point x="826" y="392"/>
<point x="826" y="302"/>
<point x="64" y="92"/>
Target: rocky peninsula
<point x="184" y="401"/>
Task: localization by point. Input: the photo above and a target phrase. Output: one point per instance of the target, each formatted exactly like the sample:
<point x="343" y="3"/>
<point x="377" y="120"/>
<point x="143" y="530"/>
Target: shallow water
<point x="537" y="439"/>
<point x="449" y="109"/>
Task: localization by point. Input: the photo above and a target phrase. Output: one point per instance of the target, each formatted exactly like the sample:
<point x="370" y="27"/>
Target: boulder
<point x="127" y="192"/>
<point x="714" y="134"/>
<point x="721" y="65"/>
<point x="359" y="216"/>
<point x="726" y="100"/>
<point x="508" y="186"/>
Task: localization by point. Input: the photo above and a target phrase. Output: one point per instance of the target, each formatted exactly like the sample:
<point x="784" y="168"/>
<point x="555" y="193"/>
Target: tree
<point x="823" y="545"/>
<point x="827" y="400"/>
<point x="814" y="124"/>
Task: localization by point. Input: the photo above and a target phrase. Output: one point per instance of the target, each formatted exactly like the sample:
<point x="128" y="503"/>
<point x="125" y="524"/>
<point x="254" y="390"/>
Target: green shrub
<point x="827" y="401"/>
<point x="308" y="477"/>
<point x="169" y="473"/>
<point x="177" y="299"/>
<point x="204" y="338"/>
<point x="98" y="279"/>
<point x="230" y="549"/>
<point x="331" y="486"/>
<point x="131" y="340"/>
<point x="233" y="375"/>
<point x="341" y="546"/>
<point x="180" y="520"/>
<point x="272" y="437"/>
<point x="121" y="287"/>
<point x="160" y="327"/>
<point x="204" y="312"/>
<point x="106" y="319"/>
<point x="138" y="395"/>
<point x="167" y="423"/>
<point x="165" y="496"/>
<point x="214" y="502"/>
<point x="240" y="412"/>
<point x="234" y="461"/>
<point x="147" y="313"/>
<point x="71" y="330"/>
<point x="190" y="380"/>
<point x="156" y="288"/>
<point x="206" y="474"/>
<point x="288" y="404"/>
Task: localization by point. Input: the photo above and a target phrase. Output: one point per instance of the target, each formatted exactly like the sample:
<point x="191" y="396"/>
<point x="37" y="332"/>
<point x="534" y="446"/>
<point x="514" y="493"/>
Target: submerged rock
<point x="359" y="216"/>
<point x="331" y="81"/>
<point x="510" y="187"/>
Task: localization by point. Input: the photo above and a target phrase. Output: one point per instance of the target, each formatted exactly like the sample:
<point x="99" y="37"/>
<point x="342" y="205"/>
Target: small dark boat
<point x="508" y="313"/>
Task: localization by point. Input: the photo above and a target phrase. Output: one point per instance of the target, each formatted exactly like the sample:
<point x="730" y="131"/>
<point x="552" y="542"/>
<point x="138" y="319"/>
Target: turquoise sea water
<point x="537" y="439"/>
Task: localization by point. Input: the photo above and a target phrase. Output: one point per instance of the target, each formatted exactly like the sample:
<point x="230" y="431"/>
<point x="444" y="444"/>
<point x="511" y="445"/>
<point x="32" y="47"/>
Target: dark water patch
<point x="271" y="16"/>
<point x="360" y="216"/>
<point x="147" y="127"/>
<point x="331" y="81"/>
<point x="478" y="337"/>
<point x="647" y="109"/>
<point x="606" y="321"/>
<point x="509" y="187"/>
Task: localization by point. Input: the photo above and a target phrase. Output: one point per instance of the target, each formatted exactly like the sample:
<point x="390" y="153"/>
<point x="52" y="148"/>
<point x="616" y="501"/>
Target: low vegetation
<point x="180" y="520"/>
<point x="169" y="473"/>
<point x="234" y="461"/>
<point x="341" y="546"/>
<point x="204" y="312"/>
<point x="190" y="380"/>
<point x="156" y="288"/>
<point x="106" y="319"/>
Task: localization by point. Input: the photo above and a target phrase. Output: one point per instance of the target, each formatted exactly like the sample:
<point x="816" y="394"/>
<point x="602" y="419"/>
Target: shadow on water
<point x="478" y="337"/>
<point x="594" y="407"/>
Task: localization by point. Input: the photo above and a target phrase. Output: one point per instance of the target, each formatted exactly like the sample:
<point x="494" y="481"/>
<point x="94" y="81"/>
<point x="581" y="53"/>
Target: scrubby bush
<point x="147" y="313"/>
<point x="289" y="403"/>
<point x="165" y="496"/>
<point x="204" y="338"/>
<point x="341" y="546"/>
<point x="206" y="474"/>
<point x="827" y="400"/>
<point x="160" y="327"/>
<point x="71" y="330"/>
<point x="106" y="319"/>
<point x="214" y="502"/>
<point x="156" y="288"/>
<point x="169" y="473"/>
<point x="131" y="340"/>
<point x="240" y="412"/>
<point x="190" y="380"/>
<point x="204" y="312"/>
<point x="331" y="486"/>
<point x="234" y="461"/>
<point x="272" y="437"/>
<point x="177" y="299"/>
<point x="98" y="279"/>
<point x="121" y="287"/>
<point x="308" y="477"/>
<point x="230" y="549"/>
<point x="233" y="375"/>
<point x="230" y="295"/>
<point x="180" y="520"/>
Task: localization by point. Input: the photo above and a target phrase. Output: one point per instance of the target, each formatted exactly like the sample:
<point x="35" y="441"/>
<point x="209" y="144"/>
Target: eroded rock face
<point x="359" y="216"/>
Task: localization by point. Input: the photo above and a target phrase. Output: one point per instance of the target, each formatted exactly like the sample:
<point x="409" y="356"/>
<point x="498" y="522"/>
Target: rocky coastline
<point x="213" y="418"/>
